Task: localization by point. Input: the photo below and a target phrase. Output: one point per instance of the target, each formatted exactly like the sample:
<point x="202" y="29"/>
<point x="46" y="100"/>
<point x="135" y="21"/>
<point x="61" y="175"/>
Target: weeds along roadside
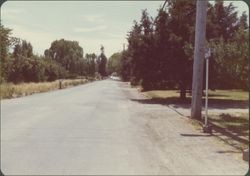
<point x="10" y="90"/>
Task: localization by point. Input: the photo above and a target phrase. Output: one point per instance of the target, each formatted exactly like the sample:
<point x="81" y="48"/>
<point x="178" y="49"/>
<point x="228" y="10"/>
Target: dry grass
<point x="9" y="90"/>
<point x="161" y="93"/>
<point x="229" y="95"/>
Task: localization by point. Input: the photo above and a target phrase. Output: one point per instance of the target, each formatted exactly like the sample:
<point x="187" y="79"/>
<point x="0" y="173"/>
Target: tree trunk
<point x="182" y="91"/>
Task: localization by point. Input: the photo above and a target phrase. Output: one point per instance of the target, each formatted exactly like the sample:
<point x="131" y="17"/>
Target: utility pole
<point x="200" y="35"/>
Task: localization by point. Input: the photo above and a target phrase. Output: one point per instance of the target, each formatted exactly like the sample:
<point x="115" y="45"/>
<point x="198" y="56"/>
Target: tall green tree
<point x="126" y="66"/>
<point x="91" y="64"/>
<point x="162" y="61"/>
<point x="67" y="53"/>
<point x="5" y="41"/>
<point x="182" y="20"/>
<point x="4" y="45"/>
<point x="23" y="49"/>
<point x="131" y="62"/>
<point x="160" y="51"/>
<point x="222" y="21"/>
<point x="102" y="61"/>
<point x="147" y="52"/>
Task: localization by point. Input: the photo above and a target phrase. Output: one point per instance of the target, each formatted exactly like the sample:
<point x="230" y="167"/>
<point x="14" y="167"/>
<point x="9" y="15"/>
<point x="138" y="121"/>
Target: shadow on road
<point x="186" y="104"/>
<point x="229" y="151"/>
<point x="233" y="135"/>
<point x="196" y="135"/>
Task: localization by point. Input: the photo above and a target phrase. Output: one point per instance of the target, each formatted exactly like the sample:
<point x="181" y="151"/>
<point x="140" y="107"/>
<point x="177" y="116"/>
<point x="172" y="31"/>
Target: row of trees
<point x="64" y="59"/>
<point x="160" y="50"/>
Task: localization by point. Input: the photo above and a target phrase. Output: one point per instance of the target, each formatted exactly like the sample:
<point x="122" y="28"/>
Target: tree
<point x="181" y="25"/>
<point x="114" y="63"/>
<point x="24" y="49"/>
<point x="5" y="41"/>
<point x="162" y="58"/>
<point x="140" y="53"/>
<point x="147" y="52"/>
<point x="125" y="66"/>
<point x="231" y="61"/>
<point x="224" y="29"/>
<point x="222" y="21"/>
<point x="160" y="51"/>
<point x="102" y="61"/>
<point x="67" y="53"/>
<point x="91" y="64"/>
<point x="131" y="60"/>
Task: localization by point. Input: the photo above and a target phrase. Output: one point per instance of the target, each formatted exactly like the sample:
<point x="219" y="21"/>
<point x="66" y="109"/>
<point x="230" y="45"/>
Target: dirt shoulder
<point x="183" y="147"/>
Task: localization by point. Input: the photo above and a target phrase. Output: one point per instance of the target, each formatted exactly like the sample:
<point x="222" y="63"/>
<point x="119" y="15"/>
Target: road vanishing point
<point x="106" y="127"/>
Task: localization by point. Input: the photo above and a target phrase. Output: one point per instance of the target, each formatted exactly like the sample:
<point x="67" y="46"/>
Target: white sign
<point x="208" y="53"/>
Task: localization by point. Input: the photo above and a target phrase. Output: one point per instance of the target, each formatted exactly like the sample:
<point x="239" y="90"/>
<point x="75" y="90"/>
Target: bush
<point x="34" y="69"/>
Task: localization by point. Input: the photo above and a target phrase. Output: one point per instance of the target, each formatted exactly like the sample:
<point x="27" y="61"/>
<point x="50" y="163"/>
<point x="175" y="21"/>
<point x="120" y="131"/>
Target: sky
<point x="91" y="23"/>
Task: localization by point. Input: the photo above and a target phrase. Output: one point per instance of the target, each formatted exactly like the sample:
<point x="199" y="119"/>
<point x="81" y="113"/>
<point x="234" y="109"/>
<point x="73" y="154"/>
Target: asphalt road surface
<point x="106" y="127"/>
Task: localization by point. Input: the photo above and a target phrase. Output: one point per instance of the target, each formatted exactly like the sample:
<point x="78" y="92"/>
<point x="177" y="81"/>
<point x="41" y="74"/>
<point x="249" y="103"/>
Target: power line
<point x="164" y="4"/>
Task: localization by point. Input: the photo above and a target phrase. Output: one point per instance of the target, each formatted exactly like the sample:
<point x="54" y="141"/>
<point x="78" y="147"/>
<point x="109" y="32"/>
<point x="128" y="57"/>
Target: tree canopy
<point x="160" y="50"/>
<point x="64" y="59"/>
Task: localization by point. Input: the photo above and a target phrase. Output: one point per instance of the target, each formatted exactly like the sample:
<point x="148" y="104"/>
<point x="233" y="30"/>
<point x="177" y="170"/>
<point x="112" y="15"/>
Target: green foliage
<point x="5" y="41"/>
<point x="4" y="46"/>
<point x="53" y="70"/>
<point x="24" y="49"/>
<point x="34" y="69"/>
<point x="102" y="63"/>
<point x="64" y="59"/>
<point x="114" y="63"/>
<point x="126" y="66"/>
<point x="68" y="53"/>
<point x="90" y="64"/>
<point x="160" y="50"/>
<point x="231" y="62"/>
<point x="222" y="21"/>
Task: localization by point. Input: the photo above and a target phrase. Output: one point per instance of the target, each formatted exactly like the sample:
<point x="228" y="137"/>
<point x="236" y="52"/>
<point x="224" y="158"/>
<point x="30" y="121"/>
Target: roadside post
<point x="60" y="84"/>
<point x="207" y="128"/>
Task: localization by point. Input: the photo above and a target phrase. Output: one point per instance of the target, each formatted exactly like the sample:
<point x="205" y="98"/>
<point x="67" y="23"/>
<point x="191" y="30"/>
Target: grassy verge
<point x="233" y="123"/>
<point x="218" y="94"/>
<point x="9" y="90"/>
<point x="162" y="94"/>
<point x="217" y="99"/>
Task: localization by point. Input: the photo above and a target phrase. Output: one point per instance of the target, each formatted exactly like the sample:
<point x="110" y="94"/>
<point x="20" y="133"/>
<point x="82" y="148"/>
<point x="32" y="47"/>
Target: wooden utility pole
<point x="199" y="52"/>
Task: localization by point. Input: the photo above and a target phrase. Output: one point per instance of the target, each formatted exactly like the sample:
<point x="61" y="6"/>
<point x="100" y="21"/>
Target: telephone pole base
<point x="207" y="129"/>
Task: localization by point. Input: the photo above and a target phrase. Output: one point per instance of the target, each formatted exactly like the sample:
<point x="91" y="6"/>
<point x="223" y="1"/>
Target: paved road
<point x="105" y="127"/>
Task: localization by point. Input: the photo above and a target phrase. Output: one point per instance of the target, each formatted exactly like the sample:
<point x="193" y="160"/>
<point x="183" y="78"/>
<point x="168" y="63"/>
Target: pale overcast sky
<point x="91" y="23"/>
